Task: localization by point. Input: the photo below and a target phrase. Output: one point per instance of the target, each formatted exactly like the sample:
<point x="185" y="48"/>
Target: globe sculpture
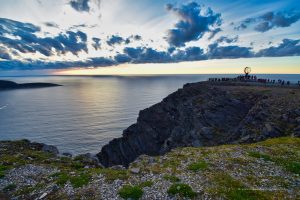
<point x="247" y="71"/>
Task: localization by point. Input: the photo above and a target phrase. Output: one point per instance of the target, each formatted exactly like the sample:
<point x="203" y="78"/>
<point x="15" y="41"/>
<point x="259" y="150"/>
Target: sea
<point x="87" y="111"/>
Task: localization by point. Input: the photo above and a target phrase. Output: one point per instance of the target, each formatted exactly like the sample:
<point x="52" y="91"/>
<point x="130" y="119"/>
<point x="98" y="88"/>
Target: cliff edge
<point x="208" y="114"/>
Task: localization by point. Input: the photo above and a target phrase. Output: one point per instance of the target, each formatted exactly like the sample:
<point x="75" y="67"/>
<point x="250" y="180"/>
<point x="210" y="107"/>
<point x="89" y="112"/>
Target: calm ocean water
<point x="86" y="112"/>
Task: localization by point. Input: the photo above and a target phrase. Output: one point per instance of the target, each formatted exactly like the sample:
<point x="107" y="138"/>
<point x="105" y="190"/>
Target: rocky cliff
<point x="207" y="114"/>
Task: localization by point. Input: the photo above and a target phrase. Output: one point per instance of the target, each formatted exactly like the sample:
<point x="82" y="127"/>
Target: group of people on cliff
<point x="248" y="78"/>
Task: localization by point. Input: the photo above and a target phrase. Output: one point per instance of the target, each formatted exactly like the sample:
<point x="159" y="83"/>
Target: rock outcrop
<point x="207" y="114"/>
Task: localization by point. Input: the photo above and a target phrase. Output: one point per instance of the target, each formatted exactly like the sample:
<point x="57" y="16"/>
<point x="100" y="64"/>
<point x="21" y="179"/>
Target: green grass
<point x="293" y="167"/>
<point x="80" y="180"/>
<point x="77" y="180"/>
<point x="260" y="155"/>
<point x="182" y="190"/>
<point x="146" y="184"/>
<point x="113" y="174"/>
<point x="3" y="168"/>
<point x="229" y="188"/>
<point x="171" y="178"/>
<point x="197" y="166"/>
<point x="131" y="192"/>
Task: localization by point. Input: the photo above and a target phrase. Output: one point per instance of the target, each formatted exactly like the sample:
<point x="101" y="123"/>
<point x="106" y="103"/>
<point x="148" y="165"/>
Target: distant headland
<point x="10" y="85"/>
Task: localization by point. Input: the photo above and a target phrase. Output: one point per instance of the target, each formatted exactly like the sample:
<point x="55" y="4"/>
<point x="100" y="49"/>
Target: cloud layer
<point x="270" y="20"/>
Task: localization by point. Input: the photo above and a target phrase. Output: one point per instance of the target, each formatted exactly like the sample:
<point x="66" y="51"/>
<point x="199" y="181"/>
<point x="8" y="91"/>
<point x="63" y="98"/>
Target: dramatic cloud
<point x="219" y="52"/>
<point x="193" y="23"/>
<point x="117" y="40"/>
<point x="51" y="24"/>
<point x="270" y="20"/>
<point x="22" y="38"/>
<point x="3" y="54"/>
<point x="96" y="43"/>
<point x="214" y="32"/>
<point x="80" y="5"/>
<point x="38" y="64"/>
<point x="84" y="5"/>
<point x="286" y="48"/>
<point x="224" y="39"/>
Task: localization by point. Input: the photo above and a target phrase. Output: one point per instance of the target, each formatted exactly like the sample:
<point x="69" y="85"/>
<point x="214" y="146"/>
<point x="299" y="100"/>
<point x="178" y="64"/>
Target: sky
<point x="88" y="37"/>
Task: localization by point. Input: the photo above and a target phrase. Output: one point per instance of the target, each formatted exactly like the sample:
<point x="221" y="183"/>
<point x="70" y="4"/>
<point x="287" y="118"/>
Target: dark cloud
<point x="26" y="40"/>
<point x="214" y="32"/>
<point x="219" y="52"/>
<point x="96" y="43"/>
<point x="192" y="24"/>
<point x="270" y="20"/>
<point x="85" y="5"/>
<point x="287" y="47"/>
<point x="51" y="24"/>
<point x="115" y="39"/>
<point x="224" y="39"/>
<point x="137" y="37"/>
<point x="38" y="64"/>
<point x="4" y="54"/>
<point x="80" y="5"/>
<point x="190" y="54"/>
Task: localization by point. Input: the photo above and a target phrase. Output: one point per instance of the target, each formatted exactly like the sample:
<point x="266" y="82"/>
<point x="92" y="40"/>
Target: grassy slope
<point x="264" y="170"/>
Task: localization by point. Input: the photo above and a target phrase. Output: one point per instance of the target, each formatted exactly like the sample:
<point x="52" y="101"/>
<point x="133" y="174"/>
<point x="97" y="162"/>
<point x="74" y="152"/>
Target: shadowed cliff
<point x="207" y="114"/>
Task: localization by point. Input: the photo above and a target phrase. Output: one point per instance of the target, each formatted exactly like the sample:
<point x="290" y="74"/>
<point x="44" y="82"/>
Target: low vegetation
<point x="182" y="190"/>
<point x="131" y="192"/>
<point x="263" y="170"/>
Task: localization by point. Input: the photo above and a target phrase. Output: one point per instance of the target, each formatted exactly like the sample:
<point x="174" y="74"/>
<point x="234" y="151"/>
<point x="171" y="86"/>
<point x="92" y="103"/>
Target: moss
<point x="112" y="174"/>
<point x="293" y="167"/>
<point x="182" y="190"/>
<point x="61" y="178"/>
<point x="80" y="180"/>
<point x="131" y="192"/>
<point x="171" y="178"/>
<point x="197" y="166"/>
<point x="146" y="184"/>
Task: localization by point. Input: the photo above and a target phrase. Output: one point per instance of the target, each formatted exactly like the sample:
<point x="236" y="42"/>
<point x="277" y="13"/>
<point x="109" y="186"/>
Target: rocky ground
<point x="263" y="170"/>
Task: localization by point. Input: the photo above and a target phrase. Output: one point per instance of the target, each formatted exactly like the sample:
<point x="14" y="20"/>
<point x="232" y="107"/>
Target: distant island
<point x="10" y="85"/>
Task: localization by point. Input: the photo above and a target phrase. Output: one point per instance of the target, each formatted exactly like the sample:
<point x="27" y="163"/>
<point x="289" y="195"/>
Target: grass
<point x="3" y="168"/>
<point x="77" y="180"/>
<point x="260" y="155"/>
<point x="146" y="184"/>
<point x="197" y="166"/>
<point x="112" y="174"/>
<point x="131" y="192"/>
<point x="171" y="178"/>
<point x="229" y="188"/>
<point x="80" y="180"/>
<point x="182" y="190"/>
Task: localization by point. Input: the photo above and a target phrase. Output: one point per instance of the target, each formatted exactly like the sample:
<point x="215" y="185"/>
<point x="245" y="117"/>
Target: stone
<point x="43" y="195"/>
<point x="135" y="170"/>
<point x="50" y="149"/>
<point x="67" y="154"/>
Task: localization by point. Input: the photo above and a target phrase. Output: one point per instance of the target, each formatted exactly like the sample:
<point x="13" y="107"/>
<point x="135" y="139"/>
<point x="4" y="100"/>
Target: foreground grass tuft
<point x="201" y="165"/>
<point x="171" y="178"/>
<point x="182" y="190"/>
<point x="131" y="192"/>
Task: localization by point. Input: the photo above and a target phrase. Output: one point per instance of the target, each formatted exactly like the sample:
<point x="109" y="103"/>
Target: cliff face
<point x="207" y="114"/>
